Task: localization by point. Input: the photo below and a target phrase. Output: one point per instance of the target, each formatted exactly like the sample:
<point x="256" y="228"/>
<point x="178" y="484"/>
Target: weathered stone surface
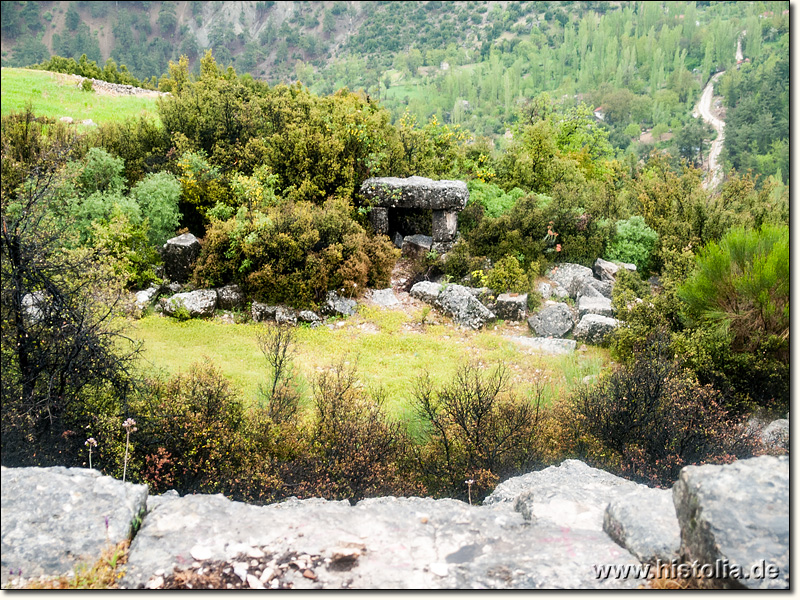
<point x="230" y="297"/>
<point x="54" y="518"/>
<point x="554" y="320"/>
<point x="547" y="345"/>
<point x="572" y="495"/>
<point x="597" y="305"/>
<point x="380" y="220"/>
<point x="285" y="316"/>
<point x="739" y="513"/>
<point x="416" y="245"/>
<point x="595" y="287"/>
<point x="427" y="291"/>
<point x="511" y="307"/>
<point x="461" y="306"/>
<point x="336" y="305"/>
<point x="594" y="328"/>
<point x="545" y="290"/>
<point x="417" y="543"/>
<point x="180" y="254"/>
<point x="398" y="239"/>
<point x="385" y="297"/>
<point x="144" y="298"/>
<point x="445" y="223"/>
<point x="415" y="192"/>
<point x="199" y="303"/>
<point x="262" y="312"/>
<point x="309" y="316"/>
<point x="605" y="270"/>
<point x="776" y="434"/>
<point x="644" y="522"/>
<point x="570" y="276"/>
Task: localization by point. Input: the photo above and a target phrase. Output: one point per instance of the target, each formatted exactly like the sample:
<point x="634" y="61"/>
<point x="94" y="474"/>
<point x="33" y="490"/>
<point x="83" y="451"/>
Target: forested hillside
<point x="641" y="64"/>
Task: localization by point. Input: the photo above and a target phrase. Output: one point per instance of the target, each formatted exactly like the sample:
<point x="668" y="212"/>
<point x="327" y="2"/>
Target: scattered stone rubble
<point x="547" y="529"/>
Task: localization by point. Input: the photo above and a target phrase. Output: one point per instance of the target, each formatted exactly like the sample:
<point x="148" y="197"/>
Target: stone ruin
<point x="445" y="198"/>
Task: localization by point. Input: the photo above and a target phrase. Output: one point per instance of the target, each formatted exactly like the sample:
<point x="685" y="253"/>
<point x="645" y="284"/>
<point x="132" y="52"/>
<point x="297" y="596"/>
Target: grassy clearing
<point x="54" y="95"/>
<point x="390" y="348"/>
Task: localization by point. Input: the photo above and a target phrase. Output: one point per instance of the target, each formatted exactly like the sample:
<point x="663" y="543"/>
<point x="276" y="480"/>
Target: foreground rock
<point x="595" y="328"/>
<point x="55" y="518"/>
<point x="180" y="254"/>
<point x="644" y="522"/>
<point x="382" y="543"/>
<point x="200" y="303"/>
<point x="607" y="271"/>
<point x="457" y="302"/>
<point x="145" y="298"/>
<point x="572" y="495"/>
<point x="384" y="298"/>
<point x="230" y="297"/>
<point x="416" y="245"/>
<point x="598" y="305"/>
<point x="554" y="320"/>
<point x="776" y="434"/>
<point x="737" y="513"/>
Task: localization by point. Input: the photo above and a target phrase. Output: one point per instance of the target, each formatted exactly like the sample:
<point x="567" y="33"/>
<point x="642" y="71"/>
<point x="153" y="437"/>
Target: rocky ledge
<point x="554" y="528"/>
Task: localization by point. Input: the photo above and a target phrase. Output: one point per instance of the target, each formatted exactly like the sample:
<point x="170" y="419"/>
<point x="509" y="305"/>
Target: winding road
<point x="703" y="110"/>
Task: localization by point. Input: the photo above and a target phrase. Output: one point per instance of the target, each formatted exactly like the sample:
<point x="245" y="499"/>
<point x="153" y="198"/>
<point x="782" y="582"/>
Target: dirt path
<point x="704" y="110"/>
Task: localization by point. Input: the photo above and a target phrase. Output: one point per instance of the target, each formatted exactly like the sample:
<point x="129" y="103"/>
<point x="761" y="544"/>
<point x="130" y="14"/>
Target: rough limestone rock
<point x="285" y="316"/>
<point x="607" y="271"/>
<point x="388" y="543"/>
<point x="385" y="298"/>
<point x="570" y="276"/>
<point x="55" y="518"/>
<point x="594" y="306"/>
<point x="144" y="298"/>
<point x="739" y="513"/>
<point x="427" y="291"/>
<point x="546" y="345"/>
<point x="180" y="254"/>
<point x="594" y="328"/>
<point x="262" y="312"/>
<point x="554" y="320"/>
<point x="397" y="239"/>
<point x="461" y="306"/>
<point x="416" y="245"/>
<point x="572" y="495"/>
<point x="511" y="307"/>
<point x="309" y="316"/>
<point x="199" y="303"/>
<point x="415" y="192"/>
<point x="230" y="297"/>
<point x="337" y="305"/>
<point x="644" y="522"/>
<point x="595" y="288"/>
<point x="776" y="434"/>
<point x="545" y="290"/>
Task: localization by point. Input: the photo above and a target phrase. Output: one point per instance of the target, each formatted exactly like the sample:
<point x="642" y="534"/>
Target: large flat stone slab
<point x="415" y="192"/>
<point x="546" y="345"/>
<point x="394" y="543"/>
<point x="55" y="518"/>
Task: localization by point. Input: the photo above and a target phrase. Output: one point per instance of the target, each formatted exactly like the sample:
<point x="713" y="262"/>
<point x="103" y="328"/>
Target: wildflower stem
<point x="125" y="464"/>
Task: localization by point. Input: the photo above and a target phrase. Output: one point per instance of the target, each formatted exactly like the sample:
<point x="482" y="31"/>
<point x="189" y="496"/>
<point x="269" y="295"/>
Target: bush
<point x="492" y="197"/>
<point x="158" y="195"/>
<point x="507" y="276"/>
<point x="648" y="420"/>
<point x="475" y="428"/>
<point x="740" y="288"/>
<point x="294" y="253"/>
<point x="634" y="242"/>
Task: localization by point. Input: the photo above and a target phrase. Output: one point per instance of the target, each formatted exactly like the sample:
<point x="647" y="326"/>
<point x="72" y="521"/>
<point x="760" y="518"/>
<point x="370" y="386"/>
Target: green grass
<point x="390" y="349"/>
<point x="54" y="95"/>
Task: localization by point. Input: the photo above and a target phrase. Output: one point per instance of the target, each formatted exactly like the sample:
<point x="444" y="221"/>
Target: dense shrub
<point x="294" y="253"/>
<point x="648" y="420"/>
<point x="492" y="197"/>
<point x="633" y="242"/>
<point x="475" y="429"/>
<point x="157" y="196"/>
<point x="507" y="276"/>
